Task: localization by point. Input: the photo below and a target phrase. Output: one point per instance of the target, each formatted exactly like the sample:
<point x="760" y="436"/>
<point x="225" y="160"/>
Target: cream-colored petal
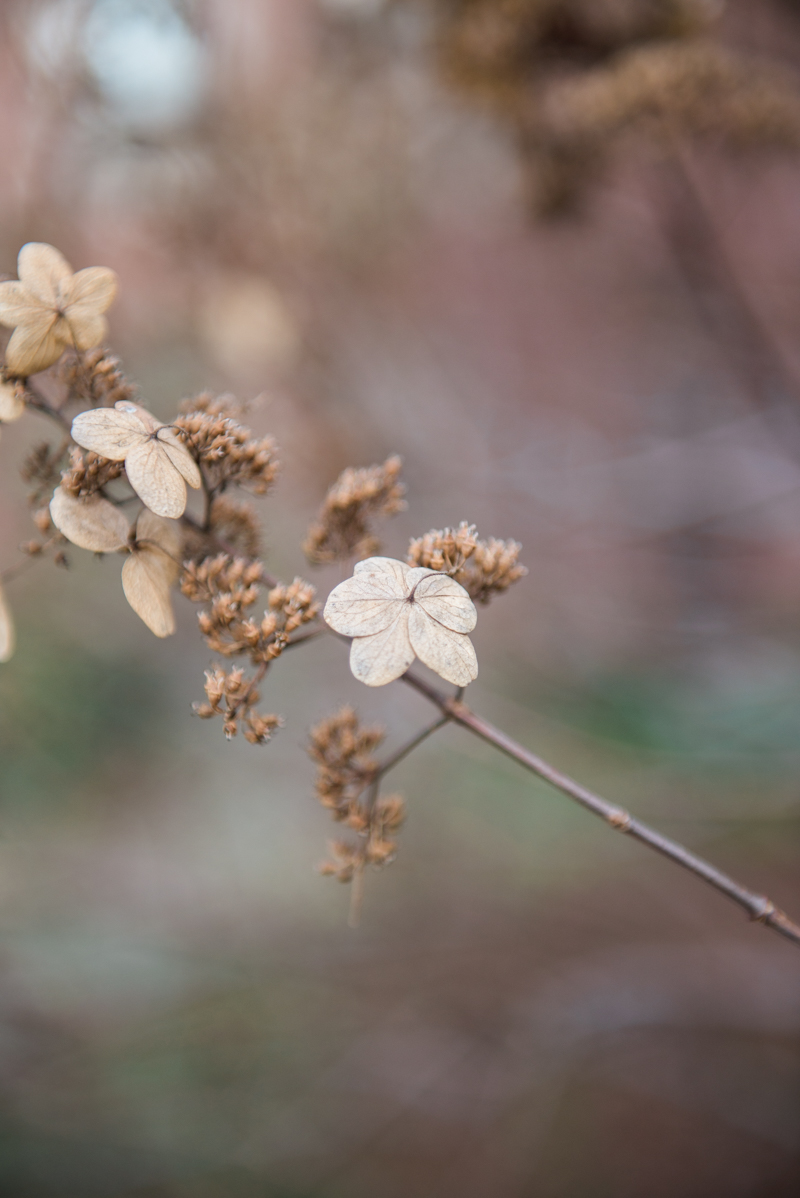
<point x="87" y="328"/>
<point x="42" y="269"/>
<point x="389" y="576"/>
<point x="145" y="582"/>
<point x="163" y="534"/>
<point x="450" y="654"/>
<point x="355" y="608"/>
<point x="447" y="601"/>
<point x="35" y="345"/>
<point x="7" y="638"/>
<point x="110" y="433"/>
<point x="180" y="457"/>
<point x="91" y="523"/>
<point x="12" y="405"/>
<point x="93" y="288"/>
<point x="155" y="480"/>
<point x="19" y="306"/>
<point x="384" y="656"/>
<point x="148" y="420"/>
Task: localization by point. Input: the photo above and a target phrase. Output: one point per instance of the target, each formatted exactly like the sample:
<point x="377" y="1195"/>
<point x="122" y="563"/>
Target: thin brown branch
<point x="411" y="745"/>
<point x="758" y="906"/>
<point x="35" y="399"/>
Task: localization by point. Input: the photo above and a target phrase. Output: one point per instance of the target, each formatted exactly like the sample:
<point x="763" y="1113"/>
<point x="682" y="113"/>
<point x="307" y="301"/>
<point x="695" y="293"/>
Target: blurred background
<point x="309" y="205"/>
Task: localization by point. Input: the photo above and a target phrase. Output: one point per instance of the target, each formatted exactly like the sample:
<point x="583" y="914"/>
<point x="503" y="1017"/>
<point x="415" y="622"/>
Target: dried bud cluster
<point x="230" y="585"/>
<point x="569" y="75"/>
<point x="233" y="696"/>
<point x="346" y="771"/>
<point x="226" y="449"/>
<point x="95" y="378"/>
<point x="88" y="473"/>
<point x="483" y="568"/>
<point x="342" y="527"/>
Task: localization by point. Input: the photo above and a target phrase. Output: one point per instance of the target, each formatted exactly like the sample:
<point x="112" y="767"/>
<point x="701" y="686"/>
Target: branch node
<point x="767" y="909"/>
<point x="620" y="819"/>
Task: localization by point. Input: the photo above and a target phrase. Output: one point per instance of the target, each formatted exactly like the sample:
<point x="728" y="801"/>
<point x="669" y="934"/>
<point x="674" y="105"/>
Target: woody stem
<point x="758" y="907"/>
<point x="410" y="746"/>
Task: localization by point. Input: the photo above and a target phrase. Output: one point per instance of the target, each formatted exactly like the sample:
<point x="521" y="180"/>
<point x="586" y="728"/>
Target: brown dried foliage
<point x="342" y="528"/>
<point x="483" y="568"/>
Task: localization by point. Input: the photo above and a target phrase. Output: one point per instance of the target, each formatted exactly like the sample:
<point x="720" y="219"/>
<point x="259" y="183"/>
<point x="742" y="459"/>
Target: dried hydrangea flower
<point x="157" y="462"/>
<point x="395" y="613"/>
<point x="7" y="638"/>
<point x="150" y="571"/>
<point x="484" y="568"/>
<point x="12" y="401"/>
<point x="51" y="308"/>
<point x="91" y="523"/>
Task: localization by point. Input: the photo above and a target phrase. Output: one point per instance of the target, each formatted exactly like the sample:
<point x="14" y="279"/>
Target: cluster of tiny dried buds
<point x="88" y="473"/>
<point x="347" y="776"/>
<point x="483" y="568"/>
<point x="226" y="450"/>
<point x="95" y="377"/>
<point x="231" y="587"/>
<point x="233" y="696"/>
<point x="343" y="527"/>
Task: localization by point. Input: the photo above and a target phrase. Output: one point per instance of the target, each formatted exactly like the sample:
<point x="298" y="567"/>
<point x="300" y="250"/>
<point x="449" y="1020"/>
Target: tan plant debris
<point x="227" y="451"/>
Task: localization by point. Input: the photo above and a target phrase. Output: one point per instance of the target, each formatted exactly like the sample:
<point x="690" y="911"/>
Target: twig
<point x="411" y="745"/>
<point x="35" y="399"/>
<point x="759" y="907"/>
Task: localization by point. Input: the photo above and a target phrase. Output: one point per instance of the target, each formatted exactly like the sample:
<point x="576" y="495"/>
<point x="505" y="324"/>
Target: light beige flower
<point x="150" y="571"/>
<point x="51" y="308"/>
<point x="12" y="402"/>
<point x="157" y="462"/>
<point x="90" y="523"/>
<point x="395" y="613"/>
<point x="7" y="638"/>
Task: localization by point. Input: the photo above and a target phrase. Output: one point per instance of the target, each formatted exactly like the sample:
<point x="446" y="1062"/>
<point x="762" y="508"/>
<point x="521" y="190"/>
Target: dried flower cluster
<point x="227" y="452"/>
<point x="231" y="587"/>
<point x="568" y="76"/>
<point x="483" y="568"/>
<point x="119" y="452"/>
<point x="347" y="775"/>
<point x="96" y="378"/>
<point x="342" y="528"/>
<point x="233" y="696"/>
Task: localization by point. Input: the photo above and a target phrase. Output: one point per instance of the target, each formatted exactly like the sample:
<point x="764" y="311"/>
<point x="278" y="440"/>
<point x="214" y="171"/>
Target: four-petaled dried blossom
<point x="150" y="571"/>
<point x="157" y="462"/>
<point x="51" y="308"/>
<point x="7" y="638"/>
<point x="395" y="613"/>
<point x="91" y="523"/>
<point x="483" y="568"/>
<point x="12" y="401"/>
<point x="342" y="527"/>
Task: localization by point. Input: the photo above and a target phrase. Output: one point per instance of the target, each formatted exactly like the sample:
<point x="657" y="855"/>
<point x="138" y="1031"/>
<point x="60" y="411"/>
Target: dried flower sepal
<point x="51" y="308"/>
<point x="151" y="570"/>
<point x="91" y="523"/>
<point x="157" y="462"/>
<point x="395" y="613"/>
